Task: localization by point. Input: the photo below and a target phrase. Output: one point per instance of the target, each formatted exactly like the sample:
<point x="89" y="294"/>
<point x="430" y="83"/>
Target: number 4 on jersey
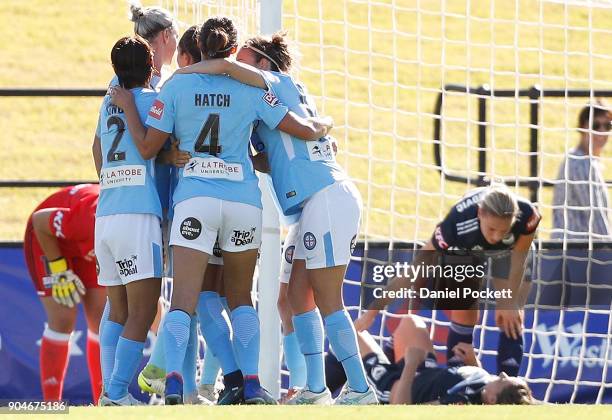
<point x="211" y="127"/>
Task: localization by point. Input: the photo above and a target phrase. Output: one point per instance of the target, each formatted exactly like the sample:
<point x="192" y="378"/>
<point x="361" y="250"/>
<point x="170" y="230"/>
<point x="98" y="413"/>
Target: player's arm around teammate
<point x="201" y="190"/>
<point x="128" y="233"/>
<point x="159" y="28"/>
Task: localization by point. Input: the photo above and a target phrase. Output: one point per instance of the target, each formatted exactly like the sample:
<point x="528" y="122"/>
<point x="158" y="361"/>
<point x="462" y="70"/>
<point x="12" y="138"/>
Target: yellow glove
<point x="66" y="287"/>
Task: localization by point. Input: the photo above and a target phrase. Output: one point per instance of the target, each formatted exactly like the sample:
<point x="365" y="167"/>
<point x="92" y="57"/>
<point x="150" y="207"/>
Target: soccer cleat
<point x="351" y="397"/>
<point x="307" y="397"/>
<point x="208" y="391"/>
<point x="254" y="393"/>
<point x="152" y="380"/>
<point x="174" y="389"/>
<point x="196" y="399"/>
<point x="231" y="396"/>
<point x="127" y="400"/>
<point x="291" y="392"/>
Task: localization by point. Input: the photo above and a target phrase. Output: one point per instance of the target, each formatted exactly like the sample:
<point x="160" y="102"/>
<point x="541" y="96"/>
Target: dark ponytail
<point x="218" y="36"/>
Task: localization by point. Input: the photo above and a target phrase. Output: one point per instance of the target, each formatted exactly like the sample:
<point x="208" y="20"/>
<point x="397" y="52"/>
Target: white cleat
<point x="127" y="400"/>
<point x="208" y="391"/>
<point x="196" y="399"/>
<point x="351" y="397"/>
<point x="307" y="397"/>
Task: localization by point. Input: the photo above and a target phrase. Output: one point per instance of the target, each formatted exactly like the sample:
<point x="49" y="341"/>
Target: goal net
<point x="432" y="97"/>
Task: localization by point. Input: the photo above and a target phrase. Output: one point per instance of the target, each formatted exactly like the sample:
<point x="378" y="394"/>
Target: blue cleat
<point x="174" y="389"/>
<point x="254" y="393"/>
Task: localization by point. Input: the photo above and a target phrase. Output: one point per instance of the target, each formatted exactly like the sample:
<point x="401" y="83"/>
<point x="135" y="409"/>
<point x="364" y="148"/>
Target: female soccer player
<point x="416" y="378"/>
<point x="307" y="179"/>
<point x="487" y="219"/>
<point x="217" y="193"/>
<point x="128" y="235"/>
<point x="159" y="28"/>
<point x="59" y="253"/>
<point x="152" y="378"/>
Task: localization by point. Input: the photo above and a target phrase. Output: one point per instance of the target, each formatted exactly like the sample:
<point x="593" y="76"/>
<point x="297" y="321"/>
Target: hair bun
<point x="137" y="12"/>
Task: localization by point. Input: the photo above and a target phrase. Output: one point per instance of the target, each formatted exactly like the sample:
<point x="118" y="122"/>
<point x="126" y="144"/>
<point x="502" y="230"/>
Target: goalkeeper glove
<point x="66" y="287"/>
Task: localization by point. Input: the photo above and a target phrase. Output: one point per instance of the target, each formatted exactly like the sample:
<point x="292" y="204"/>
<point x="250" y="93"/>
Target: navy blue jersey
<point x="450" y="385"/>
<point x="460" y="229"/>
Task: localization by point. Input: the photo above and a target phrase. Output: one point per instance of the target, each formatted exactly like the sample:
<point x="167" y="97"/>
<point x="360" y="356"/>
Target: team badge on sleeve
<point x="271" y="98"/>
<point x="157" y="110"/>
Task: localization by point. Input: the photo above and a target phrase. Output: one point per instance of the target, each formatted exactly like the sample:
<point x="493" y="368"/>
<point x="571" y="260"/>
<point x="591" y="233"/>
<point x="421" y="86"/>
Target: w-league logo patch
<point x="157" y="110"/>
<point x="271" y="98"/>
<point x="310" y="241"/>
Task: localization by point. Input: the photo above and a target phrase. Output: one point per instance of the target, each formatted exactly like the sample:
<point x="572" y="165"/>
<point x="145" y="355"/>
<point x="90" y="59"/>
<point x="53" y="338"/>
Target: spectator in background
<point x="580" y="200"/>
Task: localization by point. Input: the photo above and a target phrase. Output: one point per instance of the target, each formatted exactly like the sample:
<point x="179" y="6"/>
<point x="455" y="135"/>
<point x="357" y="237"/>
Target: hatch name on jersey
<point x="212" y="99"/>
<point x="122" y="176"/>
<point x="213" y="168"/>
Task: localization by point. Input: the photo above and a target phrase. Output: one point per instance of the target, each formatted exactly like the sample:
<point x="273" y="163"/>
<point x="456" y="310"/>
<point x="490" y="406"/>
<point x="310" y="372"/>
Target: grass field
<point x="327" y="413"/>
<point x="382" y="107"/>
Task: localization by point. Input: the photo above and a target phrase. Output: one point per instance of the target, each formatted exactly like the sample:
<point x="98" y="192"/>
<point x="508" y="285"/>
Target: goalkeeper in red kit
<point x="58" y="247"/>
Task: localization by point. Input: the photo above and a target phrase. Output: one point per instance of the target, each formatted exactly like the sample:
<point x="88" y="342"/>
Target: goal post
<point x="429" y="97"/>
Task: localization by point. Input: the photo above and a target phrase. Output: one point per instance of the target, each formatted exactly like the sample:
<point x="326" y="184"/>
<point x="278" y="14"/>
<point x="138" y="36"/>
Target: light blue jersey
<point x="298" y="168"/>
<point x="127" y="181"/>
<point x="285" y="220"/>
<point x="213" y="117"/>
<point x="162" y="171"/>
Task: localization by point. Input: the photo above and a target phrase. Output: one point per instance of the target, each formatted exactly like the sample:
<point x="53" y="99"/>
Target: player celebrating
<point x="152" y="378"/>
<point x="159" y="28"/>
<point x="307" y="179"/>
<point x="486" y="219"/>
<point x="217" y="193"/>
<point x="130" y="266"/>
<point x="59" y="253"/>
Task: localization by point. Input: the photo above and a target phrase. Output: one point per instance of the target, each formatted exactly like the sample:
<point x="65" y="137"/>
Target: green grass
<point x="382" y="107"/>
<point x="334" y="413"/>
<point x="339" y="413"/>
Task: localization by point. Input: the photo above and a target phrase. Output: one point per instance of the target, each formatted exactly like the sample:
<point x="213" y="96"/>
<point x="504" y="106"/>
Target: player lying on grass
<point x="418" y="379"/>
<point x="59" y="253"/>
<point x="486" y="221"/>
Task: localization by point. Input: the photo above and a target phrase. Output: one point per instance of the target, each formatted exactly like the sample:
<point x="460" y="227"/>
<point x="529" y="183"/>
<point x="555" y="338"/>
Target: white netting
<point x="379" y="66"/>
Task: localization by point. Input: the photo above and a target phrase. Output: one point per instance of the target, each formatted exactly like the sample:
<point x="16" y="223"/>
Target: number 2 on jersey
<point x="211" y="127"/>
<point x="113" y="155"/>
